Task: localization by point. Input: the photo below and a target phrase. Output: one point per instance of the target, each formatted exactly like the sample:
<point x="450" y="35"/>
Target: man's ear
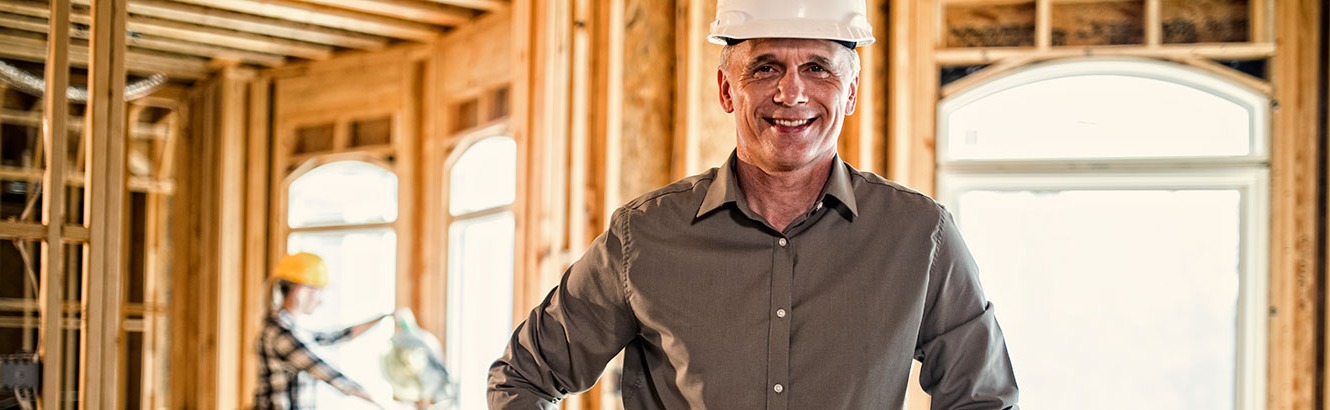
<point x="854" y="96"/>
<point x="726" y="99"/>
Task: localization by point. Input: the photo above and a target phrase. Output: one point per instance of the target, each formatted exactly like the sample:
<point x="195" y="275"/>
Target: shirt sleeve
<point x="291" y="350"/>
<point x="565" y="342"/>
<point x="961" y="347"/>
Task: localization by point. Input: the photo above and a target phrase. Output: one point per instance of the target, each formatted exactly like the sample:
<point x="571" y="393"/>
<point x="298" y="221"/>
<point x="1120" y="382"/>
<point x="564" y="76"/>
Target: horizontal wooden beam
<point x="404" y="10"/>
<point x="38" y="25"/>
<point x="34" y="119"/>
<point x="136" y="183"/>
<point x="227" y="38"/>
<point x="187" y="32"/>
<point x="486" y="5"/>
<point x="327" y="17"/>
<point x="32" y="231"/>
<point x="34" y="49"/>
<point x="1219" y="51"/>
<point x="253" y="24"/>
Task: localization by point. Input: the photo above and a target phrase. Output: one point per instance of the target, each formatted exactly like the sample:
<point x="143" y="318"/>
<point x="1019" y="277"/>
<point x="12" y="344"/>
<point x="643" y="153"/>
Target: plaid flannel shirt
<point x="289" y="370"/>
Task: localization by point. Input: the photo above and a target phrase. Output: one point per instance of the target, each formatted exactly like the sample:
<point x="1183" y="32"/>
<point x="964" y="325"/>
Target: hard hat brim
<point x="791" y="29"/>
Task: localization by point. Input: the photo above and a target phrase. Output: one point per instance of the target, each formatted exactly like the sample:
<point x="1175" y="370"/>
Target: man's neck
<point x="781" y="196"/>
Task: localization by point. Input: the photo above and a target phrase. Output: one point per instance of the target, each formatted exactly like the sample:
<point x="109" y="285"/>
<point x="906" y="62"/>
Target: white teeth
<point x="792" y="123"/>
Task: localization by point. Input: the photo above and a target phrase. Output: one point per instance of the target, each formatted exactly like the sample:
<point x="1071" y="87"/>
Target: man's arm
<point x="964" y="355"/>
<point x="566" y="341"/>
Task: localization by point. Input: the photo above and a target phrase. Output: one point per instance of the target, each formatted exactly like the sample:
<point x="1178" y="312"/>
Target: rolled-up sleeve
<point x="564" y="344"/>
<point x="964" y="355"/>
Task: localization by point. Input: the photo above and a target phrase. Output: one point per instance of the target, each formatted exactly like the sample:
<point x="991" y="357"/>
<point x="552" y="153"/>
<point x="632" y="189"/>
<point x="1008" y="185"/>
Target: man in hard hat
<point x="784" y="279"/>
<point x="288" y="368"/>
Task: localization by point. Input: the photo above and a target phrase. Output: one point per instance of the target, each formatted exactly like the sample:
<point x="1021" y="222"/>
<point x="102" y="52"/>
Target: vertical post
<point x="1154" y="27"/>
<point x="56" y="138"/>
<point x="105" y="128"/>
<point x="1043" y="24"/>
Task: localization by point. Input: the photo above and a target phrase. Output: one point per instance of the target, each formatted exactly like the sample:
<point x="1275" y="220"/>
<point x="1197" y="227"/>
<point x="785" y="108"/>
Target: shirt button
<point x="782" y="242"/>
<point x="778" y="388"/>
<point x="780" y="312"/>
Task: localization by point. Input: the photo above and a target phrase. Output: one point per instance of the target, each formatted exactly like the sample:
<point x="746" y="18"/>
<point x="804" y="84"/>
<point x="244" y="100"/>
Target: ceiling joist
<point x="328" y="17"/>
<point x="405" y="10"/>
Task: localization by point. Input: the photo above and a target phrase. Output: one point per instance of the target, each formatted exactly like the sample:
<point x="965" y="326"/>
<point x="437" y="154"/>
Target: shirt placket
<point x="778" y="340"/>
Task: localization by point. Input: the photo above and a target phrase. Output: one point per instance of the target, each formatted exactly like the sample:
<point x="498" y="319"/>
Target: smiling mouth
<point x="791" y="123"/>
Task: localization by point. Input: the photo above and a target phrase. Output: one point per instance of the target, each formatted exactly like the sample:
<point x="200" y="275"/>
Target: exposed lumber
<point x="234" y="39"/>
<point x="404" y="10"/>
<point x="34" y="119"/>
<point x="187" y="32"/>
<point x="1154" y="26"/>
<point x="253" y="24"/>
<point x="1218" y="51"/>
<point x="30" y="49"/>
<point x="1295" y="283"/>
<point x="55" y="136"/>
<point x="37" y="25"/>
<point x="486" y="5"/>
<point x="328" y="17"/>
<point x="106" y="204"/>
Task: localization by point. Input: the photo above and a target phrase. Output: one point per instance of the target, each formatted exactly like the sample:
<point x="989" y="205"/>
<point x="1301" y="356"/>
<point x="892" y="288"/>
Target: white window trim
<point x="1249" y="174"/>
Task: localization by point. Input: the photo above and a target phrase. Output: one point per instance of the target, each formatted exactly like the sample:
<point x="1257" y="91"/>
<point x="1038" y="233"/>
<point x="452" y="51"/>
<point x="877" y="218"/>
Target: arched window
<point x="344" y="211"/>
<point x="482" y="186"/>
<point x="1117" y="211"/>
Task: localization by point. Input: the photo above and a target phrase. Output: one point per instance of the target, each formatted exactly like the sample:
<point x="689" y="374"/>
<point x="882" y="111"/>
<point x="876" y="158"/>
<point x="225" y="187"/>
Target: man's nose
<point x="790" y="89"/>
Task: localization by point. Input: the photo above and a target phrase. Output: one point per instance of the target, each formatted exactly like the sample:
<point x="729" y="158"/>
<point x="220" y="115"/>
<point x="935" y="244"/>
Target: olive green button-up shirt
<point x="714" y="309"/>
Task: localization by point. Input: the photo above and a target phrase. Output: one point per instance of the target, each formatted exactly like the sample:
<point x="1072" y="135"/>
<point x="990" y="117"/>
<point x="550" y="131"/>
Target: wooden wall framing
<point x="1285" y="33"/>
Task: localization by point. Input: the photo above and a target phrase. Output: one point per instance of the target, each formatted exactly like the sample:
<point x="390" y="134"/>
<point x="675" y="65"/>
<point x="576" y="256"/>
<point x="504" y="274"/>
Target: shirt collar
<point x="725" y="188"/>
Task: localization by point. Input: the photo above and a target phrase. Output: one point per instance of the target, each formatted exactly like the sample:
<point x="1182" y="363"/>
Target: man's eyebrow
<point x="768" y="58"/>
<point x="759" y="61"/>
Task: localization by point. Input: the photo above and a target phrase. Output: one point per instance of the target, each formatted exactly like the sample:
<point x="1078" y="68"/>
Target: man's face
<point x="789" y="98"/>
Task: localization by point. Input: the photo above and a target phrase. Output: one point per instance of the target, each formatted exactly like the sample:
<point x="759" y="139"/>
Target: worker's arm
<point x="327" y="338"/>
<point x="564" y="344"/>
<point x="295" y="353"/>
<point x="961" y="347"/>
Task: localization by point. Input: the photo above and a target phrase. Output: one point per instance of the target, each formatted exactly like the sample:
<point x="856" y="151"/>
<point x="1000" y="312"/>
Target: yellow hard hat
<point x="303" y="268"/>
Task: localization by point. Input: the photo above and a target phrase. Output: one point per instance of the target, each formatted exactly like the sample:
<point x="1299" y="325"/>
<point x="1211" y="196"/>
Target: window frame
<point x="460" y="144"/>
<point x="1249" y="174"/>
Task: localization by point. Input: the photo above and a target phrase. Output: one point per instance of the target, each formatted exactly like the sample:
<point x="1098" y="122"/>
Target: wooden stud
<point x="1294" y="282"/>
<point x="1154" y="27"/>
<point x="54" y="134"/>
<point x="106" y="208"/>
<point x="1043" y="24"/>
<point x="254" y="269"/>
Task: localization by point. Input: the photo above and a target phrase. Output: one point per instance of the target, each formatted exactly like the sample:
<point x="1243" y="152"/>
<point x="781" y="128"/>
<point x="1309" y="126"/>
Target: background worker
<point x="784" y="279"/>
<point x="288" y="368"/>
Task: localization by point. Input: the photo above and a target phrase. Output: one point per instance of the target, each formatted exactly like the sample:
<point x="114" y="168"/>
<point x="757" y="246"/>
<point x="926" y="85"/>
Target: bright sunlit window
<point x="482" y="185"/>
<point x="1117" y="209"/>
<point x="343" y="211"/>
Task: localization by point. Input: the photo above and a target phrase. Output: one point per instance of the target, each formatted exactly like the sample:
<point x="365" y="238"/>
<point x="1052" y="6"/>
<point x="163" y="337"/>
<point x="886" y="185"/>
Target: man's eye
<point x="765" y="69"/>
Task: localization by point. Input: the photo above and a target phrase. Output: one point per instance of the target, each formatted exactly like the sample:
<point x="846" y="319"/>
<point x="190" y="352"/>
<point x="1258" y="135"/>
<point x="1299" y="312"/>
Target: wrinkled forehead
<point x="793" y="51"/>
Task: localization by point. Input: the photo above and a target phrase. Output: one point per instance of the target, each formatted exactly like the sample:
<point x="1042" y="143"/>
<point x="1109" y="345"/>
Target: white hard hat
<point x="844" y="21"/>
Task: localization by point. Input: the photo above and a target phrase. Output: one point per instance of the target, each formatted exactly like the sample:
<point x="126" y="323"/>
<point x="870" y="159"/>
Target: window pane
<point x="362" y="269"/>
<point x="340" y="193"/>
<point x="484" y="177"/>
<point x="480" y="301"/>
<point x="1098" y="116"/>
<point x="1129" y="293"/>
